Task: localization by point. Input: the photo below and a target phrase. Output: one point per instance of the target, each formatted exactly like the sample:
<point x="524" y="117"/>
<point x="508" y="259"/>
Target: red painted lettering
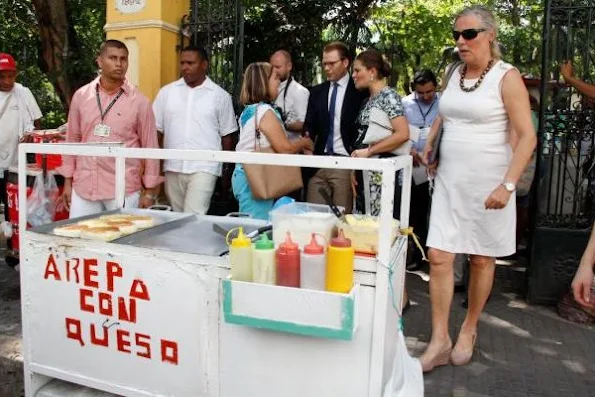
<point x="83" y="295"/>
<point x="169" y="352"/>
<point x="124" y="313"/>
<point x="74" y="331"/>
<point x="113" y="270"/>
<point x="95" y="340"/>
<point x="139" y="290"/>
<point x="143" y="341"/>
<point x="51" y="269"/>
<point x="123" y="344"/>
<point x="105" y="304"/>
<point x="75" y="269"/>
<point x="90" y="272"/>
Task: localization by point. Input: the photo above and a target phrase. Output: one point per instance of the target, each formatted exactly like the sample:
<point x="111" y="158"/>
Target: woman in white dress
<point x="487" y="141"/>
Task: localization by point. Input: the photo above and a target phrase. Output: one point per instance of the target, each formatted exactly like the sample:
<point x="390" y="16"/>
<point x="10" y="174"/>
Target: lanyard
<point x="289" y="80"/>
<point x="109" y="107"/>
<point x="425" y="115"/>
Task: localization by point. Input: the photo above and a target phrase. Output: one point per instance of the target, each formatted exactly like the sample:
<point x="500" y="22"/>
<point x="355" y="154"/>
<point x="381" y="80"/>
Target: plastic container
<point x="240" y="257"/>
<point x="288" y="263"/>
<point x="263" y="261"/>
<point x="313" y="266"/>
<point x="302" y="219"/>
<point x="339" y="264"/>
<point x="362" y="230"/>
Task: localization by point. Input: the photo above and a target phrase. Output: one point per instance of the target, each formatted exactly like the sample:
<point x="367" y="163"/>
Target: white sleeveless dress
<point x="474" y="156"/>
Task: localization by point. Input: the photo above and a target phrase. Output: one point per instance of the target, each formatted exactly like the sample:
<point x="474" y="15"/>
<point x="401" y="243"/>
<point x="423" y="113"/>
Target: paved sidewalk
<point x="522" y="350"/>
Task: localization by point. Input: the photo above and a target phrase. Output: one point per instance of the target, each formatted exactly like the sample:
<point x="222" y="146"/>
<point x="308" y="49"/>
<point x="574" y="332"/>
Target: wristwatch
<point x="509" y="186"/>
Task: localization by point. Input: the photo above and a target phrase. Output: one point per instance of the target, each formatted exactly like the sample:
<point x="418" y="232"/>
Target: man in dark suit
<point x="330" y="122"/>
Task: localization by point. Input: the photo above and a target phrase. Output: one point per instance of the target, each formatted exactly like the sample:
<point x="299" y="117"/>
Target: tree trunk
<point x="59" y="47"/>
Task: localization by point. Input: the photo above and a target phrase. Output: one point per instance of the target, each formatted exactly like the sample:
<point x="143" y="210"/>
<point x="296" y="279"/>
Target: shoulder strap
<point x="450" y="70"/>
<point x="256" y="130"/>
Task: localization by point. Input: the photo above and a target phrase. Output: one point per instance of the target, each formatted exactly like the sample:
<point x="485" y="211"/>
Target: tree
<point x="55" y="44"/>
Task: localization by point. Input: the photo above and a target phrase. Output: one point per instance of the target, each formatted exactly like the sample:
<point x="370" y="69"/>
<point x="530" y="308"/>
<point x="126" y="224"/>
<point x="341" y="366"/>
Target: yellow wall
<point x="152" y="31"/>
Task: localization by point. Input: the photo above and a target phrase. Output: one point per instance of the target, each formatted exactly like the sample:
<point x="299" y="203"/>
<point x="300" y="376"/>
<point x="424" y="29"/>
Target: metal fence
<point x="566" y="179"/>
<point x="218" y="26"/>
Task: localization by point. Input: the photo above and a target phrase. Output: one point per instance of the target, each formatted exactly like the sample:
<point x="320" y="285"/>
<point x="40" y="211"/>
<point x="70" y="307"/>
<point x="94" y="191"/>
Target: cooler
<point x="12" y="193"/>
<point x="48" y="136"/>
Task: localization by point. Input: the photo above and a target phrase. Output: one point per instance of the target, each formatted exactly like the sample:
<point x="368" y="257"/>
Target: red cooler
<point x="48" y="136"/>
<point x="12" y="190"/>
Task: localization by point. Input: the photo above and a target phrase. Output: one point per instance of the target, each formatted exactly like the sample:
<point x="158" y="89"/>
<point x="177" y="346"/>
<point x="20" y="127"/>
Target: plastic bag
<point x="41" y="204"/>
<point x="406" y="379"/>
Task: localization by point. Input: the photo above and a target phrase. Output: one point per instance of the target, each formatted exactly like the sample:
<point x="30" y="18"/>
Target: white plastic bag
<point x="41" y="204"/>
<point x="406" y="379"/>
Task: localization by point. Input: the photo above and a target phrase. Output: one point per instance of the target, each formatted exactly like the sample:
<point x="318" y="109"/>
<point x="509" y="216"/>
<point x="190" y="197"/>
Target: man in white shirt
<point x="293" y="97"/>
<point x="194" y="113"/>
<point x="19" y="114"/>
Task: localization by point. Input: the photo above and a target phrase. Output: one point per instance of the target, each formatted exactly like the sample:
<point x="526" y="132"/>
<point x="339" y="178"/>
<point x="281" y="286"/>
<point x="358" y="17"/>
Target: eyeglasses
<point x="468" y="34"/>
<point x="331" y="63"/>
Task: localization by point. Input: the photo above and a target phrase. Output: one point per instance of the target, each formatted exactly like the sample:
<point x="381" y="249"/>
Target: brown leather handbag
<point x="270" y="181"/>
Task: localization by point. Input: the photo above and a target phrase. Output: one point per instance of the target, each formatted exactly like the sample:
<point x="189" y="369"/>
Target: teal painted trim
<point x="282" y="326"/>
<point x="227" y="297"/>
<point x="345" y="333"/>
<point x="347" y="313"/>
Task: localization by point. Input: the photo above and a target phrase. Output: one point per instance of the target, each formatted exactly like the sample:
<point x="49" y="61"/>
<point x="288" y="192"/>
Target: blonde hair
<point x="255" y="86"/>
<point x="488" y="20"/>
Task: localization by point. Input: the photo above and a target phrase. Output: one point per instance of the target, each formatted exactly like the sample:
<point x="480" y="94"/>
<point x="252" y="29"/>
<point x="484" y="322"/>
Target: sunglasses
<point x="468" y="34"/>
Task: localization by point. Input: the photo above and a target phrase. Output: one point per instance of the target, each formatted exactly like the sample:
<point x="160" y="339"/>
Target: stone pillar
<point x="150" y="29"/>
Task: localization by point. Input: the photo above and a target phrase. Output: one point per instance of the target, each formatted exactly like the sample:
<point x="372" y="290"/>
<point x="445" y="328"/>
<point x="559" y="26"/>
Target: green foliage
<point x="414" y="34"/>
<point x="20" y="37"/>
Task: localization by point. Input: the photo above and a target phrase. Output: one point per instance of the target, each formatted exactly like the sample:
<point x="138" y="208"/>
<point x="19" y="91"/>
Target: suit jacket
<point x="317" y="117"/>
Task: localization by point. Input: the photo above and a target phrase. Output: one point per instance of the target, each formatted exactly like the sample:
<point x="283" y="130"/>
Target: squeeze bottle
<point x="240" y="257"/>
<point x="288" y="263"/>
<point x="313" y="266"/>
<point x="263" y="261"/>
<point x="339" y="264"/>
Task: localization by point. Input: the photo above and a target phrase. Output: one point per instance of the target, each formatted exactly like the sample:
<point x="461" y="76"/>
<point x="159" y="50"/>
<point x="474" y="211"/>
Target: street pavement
<point x="522" y="350"/>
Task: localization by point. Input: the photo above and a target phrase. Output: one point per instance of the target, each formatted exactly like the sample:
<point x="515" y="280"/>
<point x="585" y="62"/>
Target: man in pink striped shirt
<point x="110" y="109"/>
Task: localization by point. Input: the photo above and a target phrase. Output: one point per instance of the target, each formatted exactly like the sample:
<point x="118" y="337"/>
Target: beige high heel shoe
<point x="462" y="355"/>
<point x="442" y="358"/>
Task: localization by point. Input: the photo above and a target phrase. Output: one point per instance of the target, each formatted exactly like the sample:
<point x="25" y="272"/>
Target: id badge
<point x="423" y="133"/>
<point x="102" y="130"/>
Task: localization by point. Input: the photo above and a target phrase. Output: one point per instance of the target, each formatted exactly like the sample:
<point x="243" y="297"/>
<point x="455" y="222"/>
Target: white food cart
<point x="155" y="314"/>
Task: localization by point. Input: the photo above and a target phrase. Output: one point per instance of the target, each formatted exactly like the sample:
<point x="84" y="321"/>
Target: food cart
<point x="156" y="314"/>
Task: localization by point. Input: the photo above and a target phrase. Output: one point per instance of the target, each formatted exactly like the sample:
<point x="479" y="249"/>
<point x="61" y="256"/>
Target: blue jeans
<point x="258" y="209"/>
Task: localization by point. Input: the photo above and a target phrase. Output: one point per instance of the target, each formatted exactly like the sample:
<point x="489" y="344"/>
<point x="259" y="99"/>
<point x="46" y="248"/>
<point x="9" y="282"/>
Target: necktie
<point x="331" y="115"/>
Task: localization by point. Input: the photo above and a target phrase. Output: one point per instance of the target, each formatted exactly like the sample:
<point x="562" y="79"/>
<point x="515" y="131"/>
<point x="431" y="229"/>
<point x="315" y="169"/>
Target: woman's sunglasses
<point x="468" y="34"/>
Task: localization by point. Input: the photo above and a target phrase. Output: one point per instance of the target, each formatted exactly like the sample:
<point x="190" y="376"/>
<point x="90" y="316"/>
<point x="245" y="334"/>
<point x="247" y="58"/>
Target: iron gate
<point x="564" y="192"/>
<point x="218" y="26"/>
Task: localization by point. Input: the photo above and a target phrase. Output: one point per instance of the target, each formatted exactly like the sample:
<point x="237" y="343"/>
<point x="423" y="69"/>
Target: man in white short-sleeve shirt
<point x="194" y="113"/>
<point x="293" y="97"/>
<point x="19" y="113"/>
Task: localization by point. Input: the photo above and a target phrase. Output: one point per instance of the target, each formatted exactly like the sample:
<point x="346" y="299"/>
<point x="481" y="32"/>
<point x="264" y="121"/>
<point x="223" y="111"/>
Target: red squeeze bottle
<point x="288" y="263"/>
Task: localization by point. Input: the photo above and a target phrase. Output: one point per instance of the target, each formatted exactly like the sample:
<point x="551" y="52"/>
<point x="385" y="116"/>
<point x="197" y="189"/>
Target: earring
<point x="372" y="78"/>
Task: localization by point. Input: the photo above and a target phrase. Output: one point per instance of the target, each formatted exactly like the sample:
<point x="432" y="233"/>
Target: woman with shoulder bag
<point x="383" y="116"/>
<point x="487" y="141"/>
<point x="261" y="128"/>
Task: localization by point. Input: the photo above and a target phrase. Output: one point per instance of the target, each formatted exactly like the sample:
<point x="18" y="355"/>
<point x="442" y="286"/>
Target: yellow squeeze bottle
<point x="240" y="257"/>
<point x="339" y="264"/>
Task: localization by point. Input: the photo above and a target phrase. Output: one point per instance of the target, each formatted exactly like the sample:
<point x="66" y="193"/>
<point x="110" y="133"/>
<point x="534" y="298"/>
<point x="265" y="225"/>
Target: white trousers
<point x="82" y="207"/>
<point x="190" y="192"/>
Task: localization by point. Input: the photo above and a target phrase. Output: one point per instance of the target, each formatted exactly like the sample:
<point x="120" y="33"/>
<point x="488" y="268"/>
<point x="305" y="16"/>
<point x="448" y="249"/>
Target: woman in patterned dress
<point x="370" y="72"/>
